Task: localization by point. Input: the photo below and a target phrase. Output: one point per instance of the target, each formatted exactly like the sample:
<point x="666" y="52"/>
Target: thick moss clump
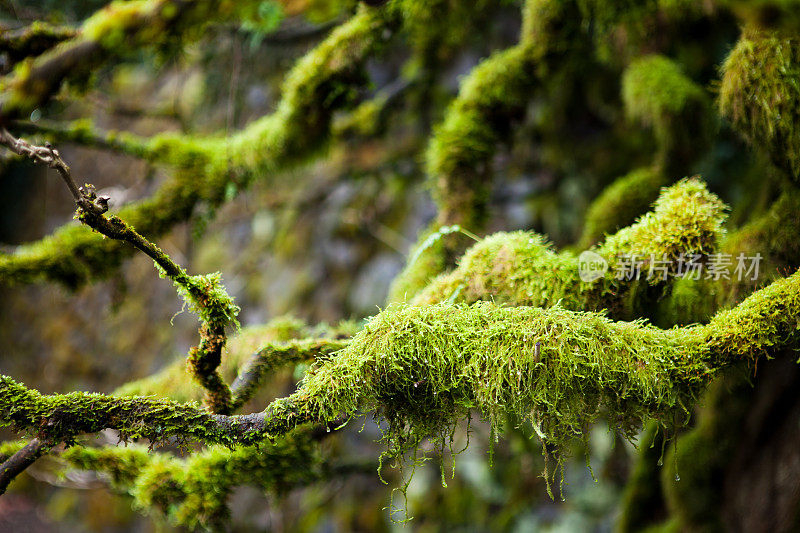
<point x="658" y="94"/>
<point x="426" y="368"/>
<point x="760" y="95"/>
<point x="522" y="269"/>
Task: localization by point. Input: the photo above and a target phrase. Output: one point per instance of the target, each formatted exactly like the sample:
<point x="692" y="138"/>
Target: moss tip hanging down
<point x="657" y="93"/>
<point x="760" y="95"/>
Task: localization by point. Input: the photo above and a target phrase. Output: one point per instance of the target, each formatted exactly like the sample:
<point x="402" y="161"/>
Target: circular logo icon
<point x="591" y="266"/>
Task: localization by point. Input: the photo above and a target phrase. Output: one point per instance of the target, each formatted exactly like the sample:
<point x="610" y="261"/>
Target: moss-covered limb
<point x="22" y="459"/>
<point x="764" y="320"/>
<point x="62" y="417"/>
<point x="270" y="357"/>
<point x="770" y="237"/>
<point x="318" y="85"/>
<point x="658" y="94"/>
<point x="760" y="95"/>
<point x="174" y="381"/>
<point x="205" y="295"/>
<point x="521" y="268"/>
<point x="425" y="368"/>
<point x="110" y="33"/>
<point x="625" y="199"/>
<point x="490" y="98"/>
<point x="84" y="132"/>
<point x="32" y="40"/>
<point x="193" y="492"/>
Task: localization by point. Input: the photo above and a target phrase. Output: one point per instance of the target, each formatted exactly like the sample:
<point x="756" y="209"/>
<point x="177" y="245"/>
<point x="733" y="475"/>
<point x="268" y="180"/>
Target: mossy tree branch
<point x="32" y="40"/>
<point x="267" y="359"/>
<point x="459" y="156"/>
<point x="318" y="85"/>
<point x="521" y="268"/>
<point x="425" y="368"/>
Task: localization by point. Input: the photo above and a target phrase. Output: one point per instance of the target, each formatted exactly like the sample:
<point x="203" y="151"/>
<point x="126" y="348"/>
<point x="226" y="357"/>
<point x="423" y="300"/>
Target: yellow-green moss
<point x="425" y="368"/>
<point x="193" y="492"/>
<point x="520" y="268"/>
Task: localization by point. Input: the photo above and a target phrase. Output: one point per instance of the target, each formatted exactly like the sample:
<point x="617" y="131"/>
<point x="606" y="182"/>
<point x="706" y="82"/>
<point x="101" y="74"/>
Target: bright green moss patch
<point x="658" y="94"/>
<point x="760" y="95"/>
<point x="766" y="319"/>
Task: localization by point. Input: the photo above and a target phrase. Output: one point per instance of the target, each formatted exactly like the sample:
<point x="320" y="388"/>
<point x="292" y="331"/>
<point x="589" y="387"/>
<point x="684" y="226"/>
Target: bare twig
<point x="21" y="460"/>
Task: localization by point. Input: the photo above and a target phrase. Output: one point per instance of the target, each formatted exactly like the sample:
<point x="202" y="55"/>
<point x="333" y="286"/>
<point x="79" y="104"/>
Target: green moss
<point x="193" y="492"/>
<point x="62" y="417"/>
<point x="521" y="268"/>
<point x="760" y="95"/>
<point x="658" y="94"/>
<point x="317" y="86"/>
<point x="428" y="258"/>
<point x="426" y="368"/>
<point x="279" y="341"/>
<point x="766" y="319"/>
<point x="621" y="203"/>
<point x="459" y="155"/>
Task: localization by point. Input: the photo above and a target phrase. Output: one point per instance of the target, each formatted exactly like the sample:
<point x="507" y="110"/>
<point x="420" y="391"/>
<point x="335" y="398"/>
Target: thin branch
<point x="205" y="293"/>
<point x="21" y="460"/>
